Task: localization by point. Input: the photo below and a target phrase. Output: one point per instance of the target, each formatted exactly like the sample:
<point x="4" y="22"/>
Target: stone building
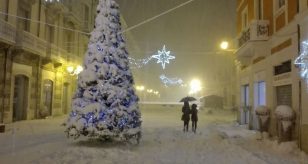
<point x="42" y="43"/>
<point x="269" y="35"/>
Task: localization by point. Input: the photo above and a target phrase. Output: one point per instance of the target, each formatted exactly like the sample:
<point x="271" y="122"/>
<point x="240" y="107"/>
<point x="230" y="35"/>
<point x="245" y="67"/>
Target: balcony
<point x="7" y="32"/>
<point x="252" y="42"/>
<point x="55" y="53"/>
<point x="257" y="31"/>
<point x="74" y="58"/>
<point x="31" y="43"/>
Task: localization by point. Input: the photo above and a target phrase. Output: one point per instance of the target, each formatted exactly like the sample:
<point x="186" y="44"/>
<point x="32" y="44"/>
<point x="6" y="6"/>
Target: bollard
<point x="285" y="120"/>
<point x="263" y="114"/>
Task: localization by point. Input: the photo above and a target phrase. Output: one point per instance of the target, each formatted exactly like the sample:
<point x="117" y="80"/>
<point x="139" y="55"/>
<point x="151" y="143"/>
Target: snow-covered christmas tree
<point x="105" y="104"/>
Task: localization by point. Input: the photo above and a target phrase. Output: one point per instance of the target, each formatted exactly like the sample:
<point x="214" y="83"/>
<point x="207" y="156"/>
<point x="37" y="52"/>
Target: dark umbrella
<point x="188" y="98"/>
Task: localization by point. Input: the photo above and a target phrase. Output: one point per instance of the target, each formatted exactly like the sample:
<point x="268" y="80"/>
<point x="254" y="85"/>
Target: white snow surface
<point x="264" y="118"/>
<point x="218" y="141"/>
<point x="262" y="110"/>
<point x="284" y="111"/>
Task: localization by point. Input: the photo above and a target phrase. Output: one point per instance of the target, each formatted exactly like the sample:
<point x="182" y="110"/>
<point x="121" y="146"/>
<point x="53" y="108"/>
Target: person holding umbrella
<point x="186" y="115"/>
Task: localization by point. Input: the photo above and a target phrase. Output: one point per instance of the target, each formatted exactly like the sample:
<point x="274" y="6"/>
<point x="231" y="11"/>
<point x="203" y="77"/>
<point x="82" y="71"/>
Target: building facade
<point x="269" y="39"/>
<point x="41" y="44"/>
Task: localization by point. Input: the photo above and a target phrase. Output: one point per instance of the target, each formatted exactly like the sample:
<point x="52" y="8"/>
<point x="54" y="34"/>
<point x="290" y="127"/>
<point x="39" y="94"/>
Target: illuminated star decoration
<point x="302" y="61"/>
<point x="138" y="63"/>
<point x="163" y="57"/>
<point x="170" y="81"/>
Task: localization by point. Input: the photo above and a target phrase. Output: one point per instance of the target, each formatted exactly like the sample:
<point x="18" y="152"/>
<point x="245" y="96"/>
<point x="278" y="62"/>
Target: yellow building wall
<point x="241" y="6"/>
<point x="292" y="9"/>
<point x="268" y="15"/>
<point x="280" y="21"/>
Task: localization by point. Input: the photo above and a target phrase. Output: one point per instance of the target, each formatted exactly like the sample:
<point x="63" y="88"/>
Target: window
<point x="49" y="34"/>
<point x="260" y="8"/>
<point x="279" y="4"/>
<point x="25" y="13"/>
<point x="260" y="93"/>
<point x="69" y="38"/>
<point x="245" y="18"/>
<point x="245" y="95"/>
<point x="69" y="41"/>
<point x="86" y="15"/>
<point x="284" y="95"/>
<point x="283" y="68"/>
<point x="245" y="104"/>
<point x="6" y="10"/>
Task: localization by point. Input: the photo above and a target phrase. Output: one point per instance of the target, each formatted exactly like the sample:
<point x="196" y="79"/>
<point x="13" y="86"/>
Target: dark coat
<point x="194" y="114"/>
<point x="186" y="113"/>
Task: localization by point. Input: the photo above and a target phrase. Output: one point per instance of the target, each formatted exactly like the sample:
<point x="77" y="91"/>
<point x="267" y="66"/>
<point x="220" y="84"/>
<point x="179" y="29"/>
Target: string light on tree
<point x="302" y="61"/>
<point x="163" y="57"/>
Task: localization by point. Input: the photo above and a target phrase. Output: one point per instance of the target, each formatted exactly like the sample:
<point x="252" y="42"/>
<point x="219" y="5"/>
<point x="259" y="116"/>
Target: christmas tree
<point x="105" y="104"/>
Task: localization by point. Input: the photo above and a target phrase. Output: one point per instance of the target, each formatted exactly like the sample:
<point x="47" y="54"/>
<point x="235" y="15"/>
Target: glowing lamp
<point x="224" y="45"/>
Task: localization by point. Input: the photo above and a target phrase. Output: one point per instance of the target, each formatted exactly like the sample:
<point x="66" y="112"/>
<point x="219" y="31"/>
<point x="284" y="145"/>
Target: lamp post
<point x="229" y="84"/>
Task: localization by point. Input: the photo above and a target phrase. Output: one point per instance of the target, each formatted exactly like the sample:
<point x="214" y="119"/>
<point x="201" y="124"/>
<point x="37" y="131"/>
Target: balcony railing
<point x="257" y="31"/>
<point x="7" y="32"/>
<point x="74" y="58"/>
<point x="28" y="41"/>
<point x="56" y="53"/>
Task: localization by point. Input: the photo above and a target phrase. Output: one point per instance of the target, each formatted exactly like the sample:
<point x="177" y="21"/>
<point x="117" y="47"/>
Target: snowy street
<point x="218" y="140"/>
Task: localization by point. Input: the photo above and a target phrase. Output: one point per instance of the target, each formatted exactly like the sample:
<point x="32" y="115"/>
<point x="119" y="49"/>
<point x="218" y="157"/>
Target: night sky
<point x="192" y="33"/>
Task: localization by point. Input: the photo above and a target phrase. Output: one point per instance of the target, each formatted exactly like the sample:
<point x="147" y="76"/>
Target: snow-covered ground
<point x="218" y="141"/>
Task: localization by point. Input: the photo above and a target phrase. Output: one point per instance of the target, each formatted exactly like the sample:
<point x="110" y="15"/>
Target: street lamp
<point x="224" y="45"/>
<point x="195" y="86"/>
<point x="74" y="71"/>
<point x="140" y="88"/>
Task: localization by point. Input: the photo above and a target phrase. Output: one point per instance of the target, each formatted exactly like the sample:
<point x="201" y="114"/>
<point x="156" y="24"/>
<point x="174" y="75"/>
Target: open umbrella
<point x="188" y="98"/>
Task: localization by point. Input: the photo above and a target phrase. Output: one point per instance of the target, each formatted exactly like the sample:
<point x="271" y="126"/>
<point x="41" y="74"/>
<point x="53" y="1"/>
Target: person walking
<point x="194" y="117"/>
<point x="186" y="115"/>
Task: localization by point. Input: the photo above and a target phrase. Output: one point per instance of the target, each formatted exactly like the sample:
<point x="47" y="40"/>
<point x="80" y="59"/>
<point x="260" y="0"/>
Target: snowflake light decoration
<point x="302" y="61"/>
<point x="170" y="81"/>
<point x="163" y="57"/>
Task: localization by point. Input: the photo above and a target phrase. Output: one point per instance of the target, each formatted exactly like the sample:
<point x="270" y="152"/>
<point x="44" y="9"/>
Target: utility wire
<point x="52" y="25"/>
<point x="155" y="17"/>
<point x="86" y="33"/>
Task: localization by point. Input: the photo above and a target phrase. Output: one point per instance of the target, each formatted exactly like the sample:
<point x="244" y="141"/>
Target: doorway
<point x="245" y="102"/>
<point x="259" y="99"/>
<point x="47" y="97"/>
<point x="20" y="99"/>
